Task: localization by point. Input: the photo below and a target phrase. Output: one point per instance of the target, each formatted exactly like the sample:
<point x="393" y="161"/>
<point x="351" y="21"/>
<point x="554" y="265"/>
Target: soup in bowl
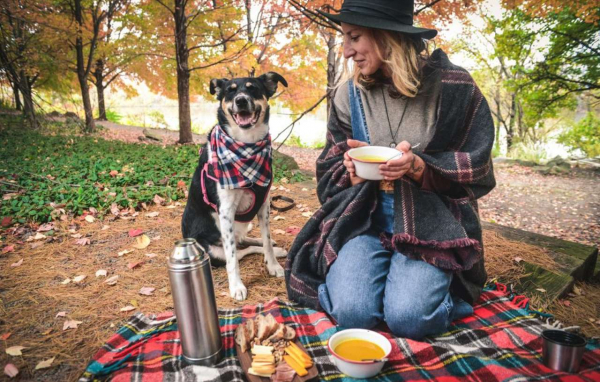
<point x="367" y="160"/>
<point x="359" y="353"/>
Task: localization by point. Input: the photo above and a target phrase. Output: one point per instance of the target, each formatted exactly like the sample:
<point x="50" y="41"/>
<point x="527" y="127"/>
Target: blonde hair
<point x="404" y="57"/>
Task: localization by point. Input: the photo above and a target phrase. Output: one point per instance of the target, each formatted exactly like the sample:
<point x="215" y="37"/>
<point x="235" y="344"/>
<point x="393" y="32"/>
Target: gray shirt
<point x="419" y="118"/>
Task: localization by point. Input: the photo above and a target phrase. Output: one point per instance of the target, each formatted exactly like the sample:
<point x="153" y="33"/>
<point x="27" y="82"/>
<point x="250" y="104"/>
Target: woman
<point x="406" y="250"/>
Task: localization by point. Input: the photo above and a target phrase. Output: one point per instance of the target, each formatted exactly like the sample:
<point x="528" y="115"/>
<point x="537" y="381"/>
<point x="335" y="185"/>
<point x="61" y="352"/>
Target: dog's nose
<point x="241" y="101"/>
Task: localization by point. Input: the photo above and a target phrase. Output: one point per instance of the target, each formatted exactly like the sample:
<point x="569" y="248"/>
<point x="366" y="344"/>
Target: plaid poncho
<point x="438" y="229"/>
<point x="237" y="164"/>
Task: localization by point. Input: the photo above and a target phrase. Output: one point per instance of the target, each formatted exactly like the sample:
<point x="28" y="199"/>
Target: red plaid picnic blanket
<point x="499" y="342"/>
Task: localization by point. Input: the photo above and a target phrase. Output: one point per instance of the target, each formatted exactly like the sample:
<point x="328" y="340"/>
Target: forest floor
<point x="69" y="321"/>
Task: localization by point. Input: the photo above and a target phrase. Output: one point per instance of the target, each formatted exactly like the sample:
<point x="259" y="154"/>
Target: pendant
<point x="393" y="145"/>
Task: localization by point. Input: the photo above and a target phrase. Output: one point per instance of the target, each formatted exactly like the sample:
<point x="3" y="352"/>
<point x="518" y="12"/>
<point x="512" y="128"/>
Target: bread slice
<point x="241" y="338"/>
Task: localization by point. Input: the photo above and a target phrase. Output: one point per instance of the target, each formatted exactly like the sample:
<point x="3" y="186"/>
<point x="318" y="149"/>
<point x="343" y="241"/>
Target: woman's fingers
<point x="356" y="143"/>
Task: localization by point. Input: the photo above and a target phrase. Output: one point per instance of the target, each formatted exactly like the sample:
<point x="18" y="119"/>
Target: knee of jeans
<point x="357" y="314"/>
<point x="414" y="321"/>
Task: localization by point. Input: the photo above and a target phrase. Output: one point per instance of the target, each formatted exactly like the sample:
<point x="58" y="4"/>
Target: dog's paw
<point x="238" y="292"/>
<point x="279" y="252"/>
<point x="275" y="269"/>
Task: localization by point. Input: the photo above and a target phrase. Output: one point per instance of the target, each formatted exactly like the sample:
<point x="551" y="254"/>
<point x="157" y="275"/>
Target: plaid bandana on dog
<point x="237" y="164"/>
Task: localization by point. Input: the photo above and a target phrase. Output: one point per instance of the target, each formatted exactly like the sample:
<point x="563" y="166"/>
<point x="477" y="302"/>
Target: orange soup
<point x="371" y="158"/>
<point x="357" y="350"/>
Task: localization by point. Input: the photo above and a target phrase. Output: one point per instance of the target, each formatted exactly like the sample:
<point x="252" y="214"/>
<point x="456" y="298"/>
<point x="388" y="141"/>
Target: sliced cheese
<point x="251" y="371"/>
<point x="259" y="349"/>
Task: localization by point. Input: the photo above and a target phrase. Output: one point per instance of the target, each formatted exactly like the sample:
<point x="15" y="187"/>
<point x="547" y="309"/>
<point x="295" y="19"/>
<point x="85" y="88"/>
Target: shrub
<point x="583" y="135"/>
<point x="113" y="116"/>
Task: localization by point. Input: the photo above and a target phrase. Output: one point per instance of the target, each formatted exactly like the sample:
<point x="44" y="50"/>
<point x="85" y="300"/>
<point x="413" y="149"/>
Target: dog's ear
<point x="270" y="81"/>
<point x="216" y="84"/>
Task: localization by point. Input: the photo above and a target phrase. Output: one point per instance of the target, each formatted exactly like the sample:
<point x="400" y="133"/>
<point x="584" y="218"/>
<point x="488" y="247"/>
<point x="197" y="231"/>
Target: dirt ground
<point x="37" y="306"/>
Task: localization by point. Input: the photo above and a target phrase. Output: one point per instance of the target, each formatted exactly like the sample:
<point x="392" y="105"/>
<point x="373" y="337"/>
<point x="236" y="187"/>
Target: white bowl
<point x="370" y="169"/>
<point x="359" y="369"/>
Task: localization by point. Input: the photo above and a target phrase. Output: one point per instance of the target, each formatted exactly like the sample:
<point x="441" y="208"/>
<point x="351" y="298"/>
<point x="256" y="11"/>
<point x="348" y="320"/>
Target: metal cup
<point x="562" y="350"/>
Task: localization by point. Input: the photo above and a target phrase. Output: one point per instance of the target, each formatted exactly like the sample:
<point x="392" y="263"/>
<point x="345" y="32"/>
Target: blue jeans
<point x="368" y="284"/>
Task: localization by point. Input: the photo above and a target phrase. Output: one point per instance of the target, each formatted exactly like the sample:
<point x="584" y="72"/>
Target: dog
<point x="224" y="197"/>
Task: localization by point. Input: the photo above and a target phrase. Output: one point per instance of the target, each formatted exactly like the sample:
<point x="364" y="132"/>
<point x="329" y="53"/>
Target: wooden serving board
<point x="246" y="361"/>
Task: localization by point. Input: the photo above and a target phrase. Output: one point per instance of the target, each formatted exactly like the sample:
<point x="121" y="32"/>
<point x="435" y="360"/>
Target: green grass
<point x="75" y="171"/>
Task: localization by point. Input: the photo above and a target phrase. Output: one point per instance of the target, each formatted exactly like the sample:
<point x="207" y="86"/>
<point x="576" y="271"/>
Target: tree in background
<point x="28" y="52"/>
<point x="182" y="38"/>
<point x="116" y="53"/>
<point x="82" y="24"/>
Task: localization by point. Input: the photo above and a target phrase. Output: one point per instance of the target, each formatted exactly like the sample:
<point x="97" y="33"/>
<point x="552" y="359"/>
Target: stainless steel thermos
<point x="195" y="304"/>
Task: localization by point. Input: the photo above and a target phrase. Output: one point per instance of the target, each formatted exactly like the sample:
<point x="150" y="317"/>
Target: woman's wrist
<point x="416" y="169"/>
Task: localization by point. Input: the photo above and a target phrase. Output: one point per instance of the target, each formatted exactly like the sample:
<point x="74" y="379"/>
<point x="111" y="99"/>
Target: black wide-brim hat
<point x="393" y="15"/>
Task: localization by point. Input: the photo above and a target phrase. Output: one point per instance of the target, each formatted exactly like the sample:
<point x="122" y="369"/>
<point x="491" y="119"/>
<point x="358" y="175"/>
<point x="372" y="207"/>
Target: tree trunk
<point x="90" y="126"/>
<point x="510" y="131"/>
<point x="28" y="105"/>
<point x="183" y="73"/>
<point x="99" y="75"/>
<point x="17" y="97"/>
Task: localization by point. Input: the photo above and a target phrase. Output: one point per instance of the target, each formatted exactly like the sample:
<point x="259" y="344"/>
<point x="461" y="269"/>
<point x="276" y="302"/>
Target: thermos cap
<point x="187" y="251"/>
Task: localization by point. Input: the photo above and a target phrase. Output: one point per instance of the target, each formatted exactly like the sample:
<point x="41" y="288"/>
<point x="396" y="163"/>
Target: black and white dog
<point x="232" y="181"/>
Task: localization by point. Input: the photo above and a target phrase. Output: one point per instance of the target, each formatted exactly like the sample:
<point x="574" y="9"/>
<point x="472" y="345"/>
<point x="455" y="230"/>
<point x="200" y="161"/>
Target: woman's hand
<point x="408" y="164"/>
<point x="353" y="143"/>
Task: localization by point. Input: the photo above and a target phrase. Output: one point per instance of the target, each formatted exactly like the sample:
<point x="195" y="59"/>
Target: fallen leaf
<point x="517" y="259"/>
<point x="124" y="252"/>
<point x="79" y="278"/>
<point x="93" y="211"/>
<point x="147" y="291"/>
<point x="576" y="290"/>
<point x="566" y="303"/>
<point x="101" y="272"/>
<point x="127" y="308"/>
<point x="83" y="241"/>
<point x="278" y="218"/>
<point x="304" y="189"/>
<point x="8" y="248"/>
<point x="45" y="333"/>
<point x="61" y="314"/>
<point x="66" y="281"/>
<point x="46" y="227"/>
<point x="112" y="280"/>
<point x="6" y="222"/>
<point x="89" y="218"/>
<point x="17" y="264"/>
<point x="158" y="200"/>
<point x="104" y="227"/>
<point x="15" y="350"/>
<point x="141" y="242"/>
<point x="292" y="230"/>
<point x="152" y="214"/>
<point x="44" y="364"/>
<point x="5" y="336"/>
<point x="541" y="290"/>
<point x="134" y="264"/>
<point x="307" y="214"/>
<point x="113" y="173"/>
<point x="151" y="255"/>
<point x="11" y="370"/>
<point x="181" y="185"/>
<point x="279" y="232"/>
<point x="37" y="245"/>
<point x="71" y="324"/>
<point x="135" y="232"/>
<point x="76" y="236"/>
<point x="39" y="236"/>
<point x="114" y="209"/>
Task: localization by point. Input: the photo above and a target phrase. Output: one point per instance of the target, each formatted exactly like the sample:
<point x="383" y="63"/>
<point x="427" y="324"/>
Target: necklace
<point x="393" y="143"/>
